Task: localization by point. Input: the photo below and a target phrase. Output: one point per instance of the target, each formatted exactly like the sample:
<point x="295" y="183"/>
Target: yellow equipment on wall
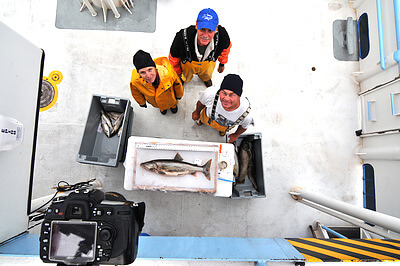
<point x="49" y="91"/>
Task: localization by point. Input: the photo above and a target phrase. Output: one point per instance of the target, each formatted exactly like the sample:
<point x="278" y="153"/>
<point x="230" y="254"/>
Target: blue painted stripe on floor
<point x="217" y="248"/>
<point x="186" y="248"/>
<point x="24" y="245"/>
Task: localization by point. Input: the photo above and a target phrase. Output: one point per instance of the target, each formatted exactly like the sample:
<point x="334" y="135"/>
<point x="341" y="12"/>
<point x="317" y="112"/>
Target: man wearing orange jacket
<point x="196" y="49"/>
<point x="155" y="82"/>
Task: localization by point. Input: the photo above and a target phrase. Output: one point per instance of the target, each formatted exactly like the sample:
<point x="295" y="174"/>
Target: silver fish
<point x="245" y="163"/>
<point x="244" y="160"/>
<point x="105" y="127"/>
<point x="236" y="166"/>
<point x="251" y="178"/>
<point x="113" y="115"/>
<point x="176" y="167"/>
<point x="119" y="132"/>
<point x="118" y="122"/>
<point x="106" y="118"/>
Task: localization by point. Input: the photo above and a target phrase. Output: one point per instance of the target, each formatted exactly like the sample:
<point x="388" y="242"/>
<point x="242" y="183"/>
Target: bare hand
<point x="195" y="116"/>
<point x="232" y="138"/>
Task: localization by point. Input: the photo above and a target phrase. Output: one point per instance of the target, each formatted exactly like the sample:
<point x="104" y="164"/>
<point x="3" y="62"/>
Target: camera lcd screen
<point x="73" y="241"/>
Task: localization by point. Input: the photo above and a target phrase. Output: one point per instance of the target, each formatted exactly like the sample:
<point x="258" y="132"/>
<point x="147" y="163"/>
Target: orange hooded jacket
<point x="168" y="92"/>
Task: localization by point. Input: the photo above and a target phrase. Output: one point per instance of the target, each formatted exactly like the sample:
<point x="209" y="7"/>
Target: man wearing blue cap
<point x="196" y="49"/>
<point x="224" y="108"/>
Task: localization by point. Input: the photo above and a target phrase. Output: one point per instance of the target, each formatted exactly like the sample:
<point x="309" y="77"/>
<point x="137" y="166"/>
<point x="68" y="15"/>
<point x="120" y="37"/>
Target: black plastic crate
<point x="247" y="190"/>
<point x="96" y="147"/>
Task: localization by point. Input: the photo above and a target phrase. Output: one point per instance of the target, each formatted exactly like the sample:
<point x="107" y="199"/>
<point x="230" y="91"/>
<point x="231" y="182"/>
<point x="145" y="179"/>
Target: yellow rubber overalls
<point x="203" y="69"/>
<point x="212" y="123"/>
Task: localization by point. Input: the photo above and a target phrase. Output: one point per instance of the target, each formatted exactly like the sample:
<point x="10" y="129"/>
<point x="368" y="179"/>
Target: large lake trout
<point x="176" y="167"/>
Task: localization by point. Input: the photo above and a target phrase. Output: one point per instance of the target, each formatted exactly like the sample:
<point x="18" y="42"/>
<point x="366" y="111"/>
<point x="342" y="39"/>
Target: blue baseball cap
<point x="207" y="19"/>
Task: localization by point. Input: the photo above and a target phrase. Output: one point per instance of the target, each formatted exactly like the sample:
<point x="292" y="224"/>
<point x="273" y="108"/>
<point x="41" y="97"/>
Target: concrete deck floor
<point x="304" y="102"/>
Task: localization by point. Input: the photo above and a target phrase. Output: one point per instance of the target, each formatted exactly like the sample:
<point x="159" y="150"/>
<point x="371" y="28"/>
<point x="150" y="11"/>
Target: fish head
<point x="150" y="166"/>
<point x="245" y="144"/>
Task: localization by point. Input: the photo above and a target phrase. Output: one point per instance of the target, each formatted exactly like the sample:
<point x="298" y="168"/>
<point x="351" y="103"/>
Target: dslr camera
<point x="90" y="227"/>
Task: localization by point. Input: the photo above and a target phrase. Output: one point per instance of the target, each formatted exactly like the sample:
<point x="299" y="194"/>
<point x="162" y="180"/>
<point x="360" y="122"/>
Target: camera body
<point x="90" y="227"/>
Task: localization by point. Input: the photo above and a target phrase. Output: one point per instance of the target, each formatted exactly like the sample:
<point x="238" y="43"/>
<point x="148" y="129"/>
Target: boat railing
<point x="378" y="223"/>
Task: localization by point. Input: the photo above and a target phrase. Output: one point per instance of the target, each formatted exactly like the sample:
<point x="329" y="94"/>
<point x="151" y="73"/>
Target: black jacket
<point x="178" y="49"/>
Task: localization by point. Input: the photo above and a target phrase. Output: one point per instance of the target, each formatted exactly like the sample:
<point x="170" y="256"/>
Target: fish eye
<point x="152" y="165"/>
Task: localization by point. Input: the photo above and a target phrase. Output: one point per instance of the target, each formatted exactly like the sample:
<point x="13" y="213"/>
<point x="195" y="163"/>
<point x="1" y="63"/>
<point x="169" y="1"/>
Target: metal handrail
<point x="350" y="213"/>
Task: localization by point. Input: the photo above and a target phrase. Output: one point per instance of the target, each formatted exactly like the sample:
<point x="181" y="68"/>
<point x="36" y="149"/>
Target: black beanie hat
<point x="233" y="83"/>
<point x="142" y="59"/>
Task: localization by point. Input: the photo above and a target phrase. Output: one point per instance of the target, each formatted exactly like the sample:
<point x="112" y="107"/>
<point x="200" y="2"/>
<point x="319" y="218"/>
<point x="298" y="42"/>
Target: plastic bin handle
<point x="108" y="100"/>
<point x="92" y="159"/>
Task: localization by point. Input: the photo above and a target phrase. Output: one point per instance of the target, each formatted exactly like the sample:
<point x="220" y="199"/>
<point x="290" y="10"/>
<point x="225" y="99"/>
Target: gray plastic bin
<point x="246" y="190"/>
<point x="96" y="147"/>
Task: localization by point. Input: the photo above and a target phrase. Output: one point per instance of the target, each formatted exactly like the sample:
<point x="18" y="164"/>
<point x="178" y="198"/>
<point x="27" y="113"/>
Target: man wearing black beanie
<point x="155" y="82"/>
<point x="223" y="108"/>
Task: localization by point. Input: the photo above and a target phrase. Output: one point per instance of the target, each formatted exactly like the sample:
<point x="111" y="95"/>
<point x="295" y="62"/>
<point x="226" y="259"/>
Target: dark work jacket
<point x="178" y="49"/>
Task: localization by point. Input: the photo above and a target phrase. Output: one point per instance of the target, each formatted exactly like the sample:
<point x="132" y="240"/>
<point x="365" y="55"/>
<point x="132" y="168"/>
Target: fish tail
<point x="206" y="169"/>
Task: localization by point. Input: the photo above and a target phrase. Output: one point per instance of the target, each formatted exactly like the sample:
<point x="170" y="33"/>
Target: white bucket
<point x="11" y="133"/>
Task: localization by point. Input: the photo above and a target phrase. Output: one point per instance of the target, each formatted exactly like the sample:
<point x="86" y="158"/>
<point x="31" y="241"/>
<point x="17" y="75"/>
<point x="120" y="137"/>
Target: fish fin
<point x="178" y="157"/>
<point x="161" y="172"/>
<point x="206" y="169"/>
<point x="194" y="174"/>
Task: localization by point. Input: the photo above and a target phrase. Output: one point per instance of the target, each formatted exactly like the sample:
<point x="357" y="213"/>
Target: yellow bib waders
<point x="203" y="69"/>
<point x="212" y="123"/>
<point x="205" y="119"/>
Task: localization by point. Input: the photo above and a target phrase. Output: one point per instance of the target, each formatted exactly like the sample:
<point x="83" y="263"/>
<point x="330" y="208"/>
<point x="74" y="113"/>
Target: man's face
<point x="230" y="101"/>
<point x="204" y="36"/>
<point x="149" y="74"/>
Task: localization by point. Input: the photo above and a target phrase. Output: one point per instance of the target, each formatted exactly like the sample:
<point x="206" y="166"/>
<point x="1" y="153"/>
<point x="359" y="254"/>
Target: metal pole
<point x="385" y="221"/>
<point x="333" y="232"/>
<point x="352" y="220"/>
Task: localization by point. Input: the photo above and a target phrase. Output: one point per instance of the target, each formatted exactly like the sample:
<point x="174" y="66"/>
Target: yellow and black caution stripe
<point x="341" y="249"/>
